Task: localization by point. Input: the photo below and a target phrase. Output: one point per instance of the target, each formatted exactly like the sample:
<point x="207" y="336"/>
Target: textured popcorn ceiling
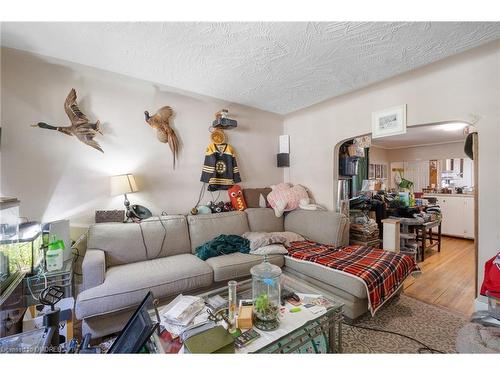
<point x="279" y="67"/>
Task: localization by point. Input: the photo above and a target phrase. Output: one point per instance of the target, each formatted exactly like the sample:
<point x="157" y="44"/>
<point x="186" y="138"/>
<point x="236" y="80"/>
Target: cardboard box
<point x="354" y="150"/>
<point x="244" y="320"/>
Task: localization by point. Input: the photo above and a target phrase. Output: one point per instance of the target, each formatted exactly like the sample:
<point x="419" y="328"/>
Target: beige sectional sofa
<point x="124" y="261"/>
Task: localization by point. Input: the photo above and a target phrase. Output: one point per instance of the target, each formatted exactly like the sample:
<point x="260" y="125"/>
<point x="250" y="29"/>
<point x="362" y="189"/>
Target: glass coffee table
<point x="298" y="332"/>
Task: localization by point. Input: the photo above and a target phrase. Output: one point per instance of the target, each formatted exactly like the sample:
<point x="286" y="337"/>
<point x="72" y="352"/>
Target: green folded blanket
<point x="222" y="245"/>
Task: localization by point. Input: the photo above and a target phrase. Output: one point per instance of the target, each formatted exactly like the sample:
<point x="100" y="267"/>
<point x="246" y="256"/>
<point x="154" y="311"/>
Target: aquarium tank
<point x="20" y="243"/>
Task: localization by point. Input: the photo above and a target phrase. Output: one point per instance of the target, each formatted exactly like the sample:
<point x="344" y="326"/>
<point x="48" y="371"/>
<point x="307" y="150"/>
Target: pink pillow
<point x="286" y="193"/>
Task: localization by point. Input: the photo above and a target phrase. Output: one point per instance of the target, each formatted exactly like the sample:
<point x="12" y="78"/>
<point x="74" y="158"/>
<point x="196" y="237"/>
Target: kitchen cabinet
<point x="469" y="217"/>
<point x="457" y="214"/>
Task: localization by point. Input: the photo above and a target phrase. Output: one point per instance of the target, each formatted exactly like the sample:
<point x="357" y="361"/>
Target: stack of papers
<point x="179" y="314"/>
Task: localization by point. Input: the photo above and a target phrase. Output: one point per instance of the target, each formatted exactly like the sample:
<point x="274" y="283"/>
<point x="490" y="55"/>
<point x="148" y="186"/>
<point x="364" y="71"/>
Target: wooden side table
<point x="424" y="232"/>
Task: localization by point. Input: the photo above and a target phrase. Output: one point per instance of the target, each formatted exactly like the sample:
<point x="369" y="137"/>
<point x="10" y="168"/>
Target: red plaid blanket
<point x="382" y="271"/>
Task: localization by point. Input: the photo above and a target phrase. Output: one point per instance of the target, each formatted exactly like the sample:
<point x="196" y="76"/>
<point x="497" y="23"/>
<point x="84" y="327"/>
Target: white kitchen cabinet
<point x="457" y="214"/>
<point x="469" y="217"/>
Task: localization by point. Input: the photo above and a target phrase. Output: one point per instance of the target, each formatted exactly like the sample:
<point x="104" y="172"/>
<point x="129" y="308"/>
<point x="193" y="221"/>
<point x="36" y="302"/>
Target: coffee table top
<point x="289" y="322"/>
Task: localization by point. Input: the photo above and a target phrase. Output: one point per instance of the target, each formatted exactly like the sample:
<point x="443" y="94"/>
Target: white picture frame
<point x="390" y="121"/>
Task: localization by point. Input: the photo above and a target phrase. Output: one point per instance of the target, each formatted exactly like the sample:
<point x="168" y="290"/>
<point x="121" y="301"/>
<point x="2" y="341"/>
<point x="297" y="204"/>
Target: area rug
<point x="434" y="326"/>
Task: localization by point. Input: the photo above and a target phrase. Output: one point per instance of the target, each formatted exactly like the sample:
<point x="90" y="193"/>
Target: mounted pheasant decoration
<point x="80" y="125"/>
<point x="165" y="134"/>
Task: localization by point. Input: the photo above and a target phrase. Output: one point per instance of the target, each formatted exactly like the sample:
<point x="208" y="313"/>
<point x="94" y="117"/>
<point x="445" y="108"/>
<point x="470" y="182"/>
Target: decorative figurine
<point x="165" y="134"/>
<point x="80" y="125"/>
<point x="237" y="198"/>
<point x="218" y="207"/>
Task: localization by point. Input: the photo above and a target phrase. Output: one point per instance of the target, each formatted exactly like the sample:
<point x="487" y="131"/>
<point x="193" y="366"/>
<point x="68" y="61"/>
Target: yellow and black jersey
<point x="220" y="170"/>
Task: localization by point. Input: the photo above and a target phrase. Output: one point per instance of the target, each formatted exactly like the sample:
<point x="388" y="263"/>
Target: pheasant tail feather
<point x="173" y="143"/>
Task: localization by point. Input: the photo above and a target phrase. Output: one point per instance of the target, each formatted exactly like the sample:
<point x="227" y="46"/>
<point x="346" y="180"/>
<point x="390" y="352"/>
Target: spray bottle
<point x="54" y="255"/>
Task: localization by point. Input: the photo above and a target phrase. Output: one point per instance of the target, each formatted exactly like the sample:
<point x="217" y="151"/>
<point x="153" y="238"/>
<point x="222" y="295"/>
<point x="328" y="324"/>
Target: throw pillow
<point x="259" y="239"/>
<point x="270" y="250"/>
<point x="262" y="201"/>
<point x="289" y="236"/>
<point x="252" y="196"/>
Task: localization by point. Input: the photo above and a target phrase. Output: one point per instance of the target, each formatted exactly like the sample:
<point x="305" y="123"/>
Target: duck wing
<point x="86" y="135"/>
<point x="86" y="130"/>
<point x="71" y="108"/>
<point x="94" y="144"/>
<point x="90" y="142"/>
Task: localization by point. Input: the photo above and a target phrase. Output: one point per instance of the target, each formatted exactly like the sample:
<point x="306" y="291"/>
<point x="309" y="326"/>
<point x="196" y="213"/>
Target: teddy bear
<point x="288" y="197"/>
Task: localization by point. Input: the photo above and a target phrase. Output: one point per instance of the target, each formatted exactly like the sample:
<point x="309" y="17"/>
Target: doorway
<point x="423" y="168"/>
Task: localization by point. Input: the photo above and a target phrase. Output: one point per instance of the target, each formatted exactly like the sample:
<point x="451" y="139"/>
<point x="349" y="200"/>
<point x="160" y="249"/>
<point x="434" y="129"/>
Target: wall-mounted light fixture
<point x="283" y="157"/>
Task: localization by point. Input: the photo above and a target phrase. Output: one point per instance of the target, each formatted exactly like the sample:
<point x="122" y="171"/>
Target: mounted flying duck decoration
<point x="165" y="134"/>
<point x="80" y="125"/>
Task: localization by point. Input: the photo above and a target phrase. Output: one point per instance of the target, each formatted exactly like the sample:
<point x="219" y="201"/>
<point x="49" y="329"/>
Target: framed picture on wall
<point x="390" y="121"/>
<point x="371" y="171"/>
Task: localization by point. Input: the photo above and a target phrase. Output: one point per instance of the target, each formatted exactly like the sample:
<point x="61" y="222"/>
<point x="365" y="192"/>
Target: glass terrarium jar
<point x="266" y="295"/>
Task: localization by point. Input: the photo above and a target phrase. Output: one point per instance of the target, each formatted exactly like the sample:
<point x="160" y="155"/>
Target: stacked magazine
<point x="183" y="313"/>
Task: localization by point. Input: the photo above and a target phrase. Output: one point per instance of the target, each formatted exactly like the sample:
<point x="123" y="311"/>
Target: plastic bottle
<point x="54" y="256"/>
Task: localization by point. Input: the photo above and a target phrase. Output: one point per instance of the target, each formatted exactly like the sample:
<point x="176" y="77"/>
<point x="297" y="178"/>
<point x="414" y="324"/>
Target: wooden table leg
<point x="424" y="238"/>
<point x="430" y="236"/>
<point x="439" y="237"/>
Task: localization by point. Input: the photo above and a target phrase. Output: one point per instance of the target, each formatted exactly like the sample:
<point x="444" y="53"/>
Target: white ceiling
<point x="279" y="67"/>
<point x="423" y="136"/>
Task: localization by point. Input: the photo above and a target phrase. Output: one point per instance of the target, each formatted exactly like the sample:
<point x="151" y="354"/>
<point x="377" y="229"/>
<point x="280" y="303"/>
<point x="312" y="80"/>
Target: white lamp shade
<point x="123" y="184"/>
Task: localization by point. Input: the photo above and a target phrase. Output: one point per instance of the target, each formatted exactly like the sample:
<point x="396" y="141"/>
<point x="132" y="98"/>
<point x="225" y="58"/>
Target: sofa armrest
<point x="322" y="226"/>
<point x="93" y="268"/>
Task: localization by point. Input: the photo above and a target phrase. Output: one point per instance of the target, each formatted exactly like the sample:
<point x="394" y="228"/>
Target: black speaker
<point x="283" y="160"/>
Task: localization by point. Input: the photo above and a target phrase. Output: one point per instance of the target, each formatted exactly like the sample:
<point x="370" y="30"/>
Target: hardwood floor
<point x="447" y="277"/>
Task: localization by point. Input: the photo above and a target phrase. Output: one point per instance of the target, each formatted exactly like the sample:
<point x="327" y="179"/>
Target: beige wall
<point x="379" y="155"/>
<point x="452" y="89"/>
<point x="56" y="176"/>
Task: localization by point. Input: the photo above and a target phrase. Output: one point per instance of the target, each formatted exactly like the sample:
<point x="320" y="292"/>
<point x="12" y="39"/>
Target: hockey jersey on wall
<point x="220" y="170"/>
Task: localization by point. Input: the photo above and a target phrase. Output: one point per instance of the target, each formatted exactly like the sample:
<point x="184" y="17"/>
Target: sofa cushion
<point x="171" y="231"/>
<point x="132" y="242"/>
<point x="121" y="243"/>
<point x="322" y="226"/>
<point x="259" y="239"/>
<point x="264" y="220"/>
<point x="203" y="228"/>
<point x="338" y="279"/>
<point x="237" y="265"/>
<point x="125" y="286"/>
<point x="275" y="248"/>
